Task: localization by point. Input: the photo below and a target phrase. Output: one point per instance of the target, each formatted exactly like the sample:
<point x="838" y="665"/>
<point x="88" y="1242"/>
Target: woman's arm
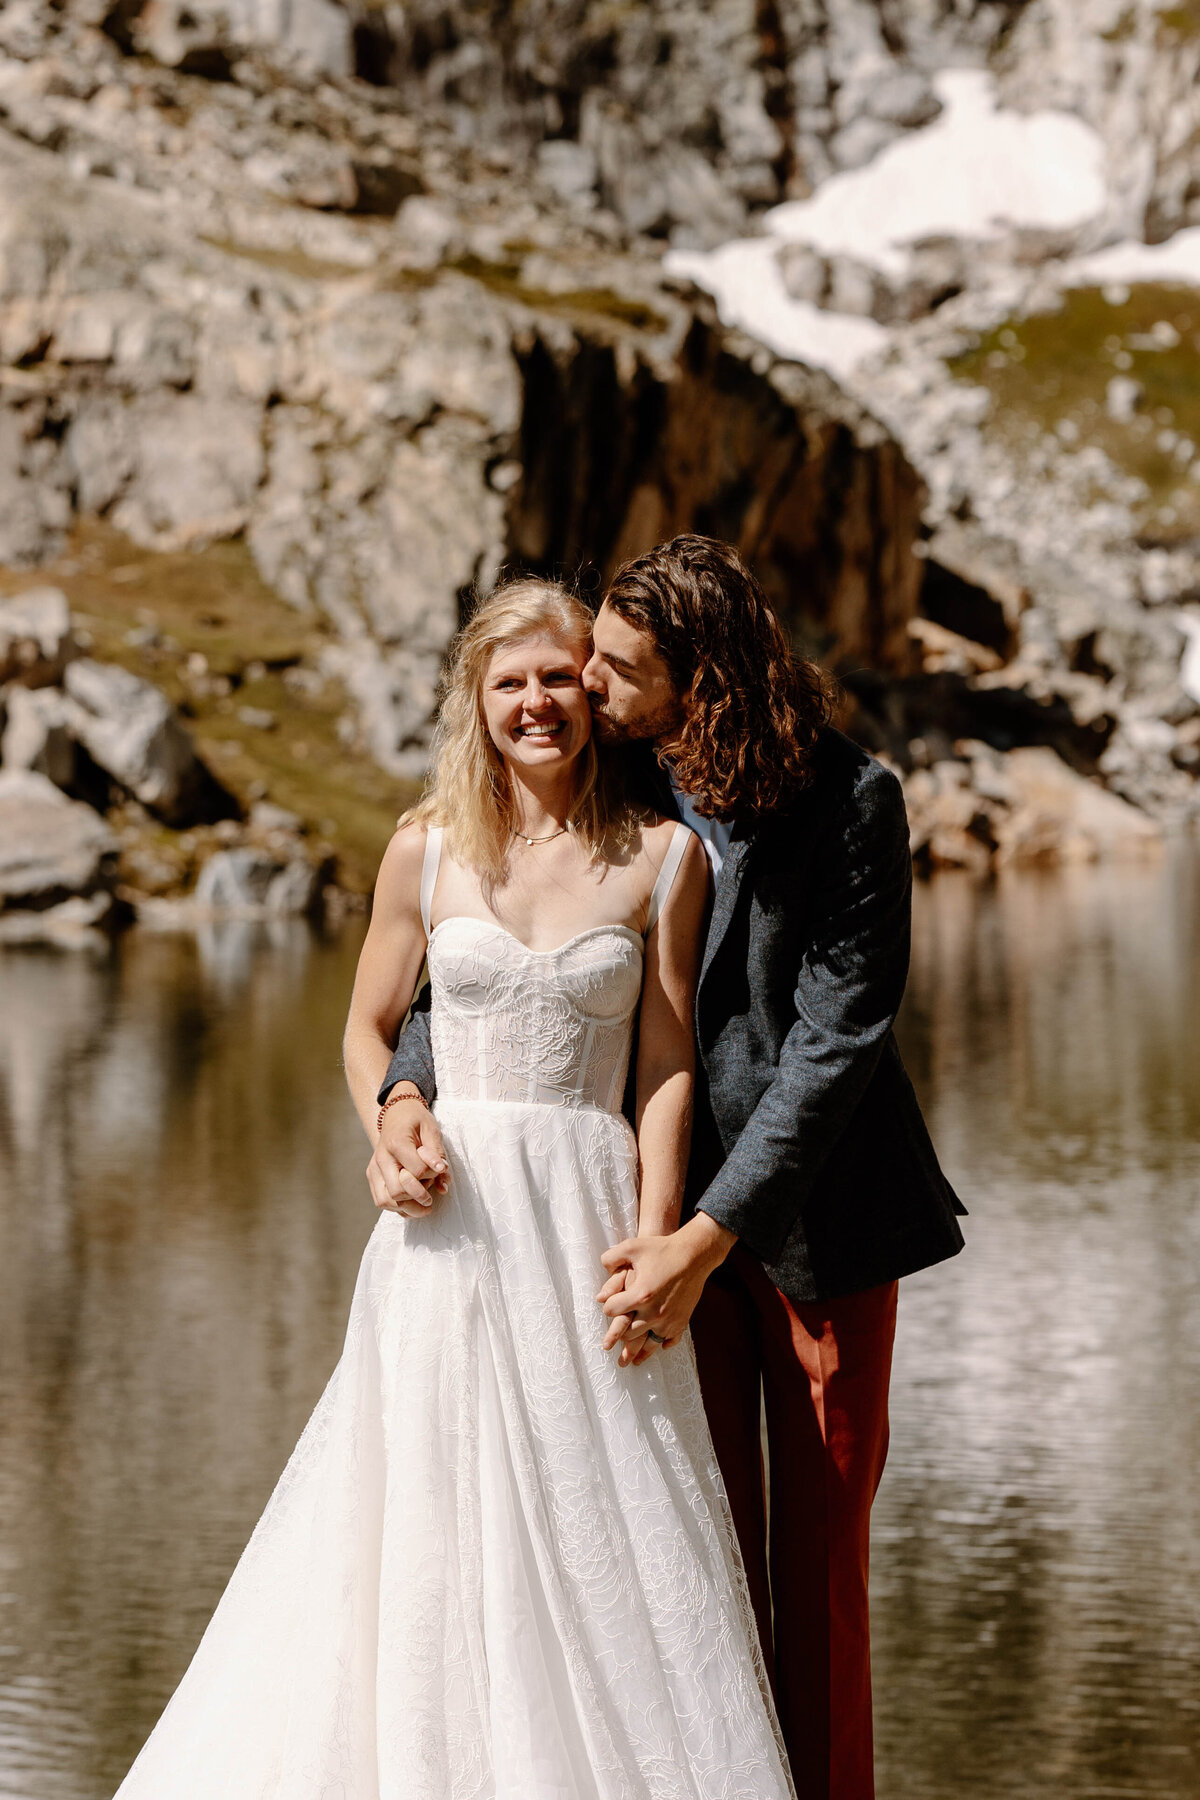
<point x="666" y="1057"/>
<point x="665" y="1071"/>
<point x="388" y="968"/>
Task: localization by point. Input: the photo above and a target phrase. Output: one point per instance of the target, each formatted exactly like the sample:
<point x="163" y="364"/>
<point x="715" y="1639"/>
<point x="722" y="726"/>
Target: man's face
<point x="630" y="689"/>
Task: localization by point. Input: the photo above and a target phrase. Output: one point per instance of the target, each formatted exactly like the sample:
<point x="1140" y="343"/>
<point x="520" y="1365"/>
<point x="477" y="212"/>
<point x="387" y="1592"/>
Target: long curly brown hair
<point x="752" y="708"/>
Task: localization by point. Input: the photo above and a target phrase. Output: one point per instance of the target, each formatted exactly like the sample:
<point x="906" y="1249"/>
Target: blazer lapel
<point x="729" y="883"/>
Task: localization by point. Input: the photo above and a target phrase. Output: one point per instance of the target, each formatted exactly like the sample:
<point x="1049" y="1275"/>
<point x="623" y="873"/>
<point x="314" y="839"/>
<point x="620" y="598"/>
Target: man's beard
<point x="653" y="728"/>
<point x="608" y="729"/>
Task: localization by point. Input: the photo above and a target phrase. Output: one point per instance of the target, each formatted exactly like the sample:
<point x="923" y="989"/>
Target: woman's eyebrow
<point x="549" y="669"/>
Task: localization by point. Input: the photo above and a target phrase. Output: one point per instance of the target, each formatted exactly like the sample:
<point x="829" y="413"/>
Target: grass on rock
<point x="593" y="303"/>
<point x="159" y="613"/>
<point x="1180" y="21"/>
<point x="1053" y="369"/>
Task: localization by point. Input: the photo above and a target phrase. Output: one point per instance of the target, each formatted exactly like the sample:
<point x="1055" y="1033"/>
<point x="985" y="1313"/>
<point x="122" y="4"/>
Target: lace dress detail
<point x="515" y="1024"/>
<point x="498" y="1566"/>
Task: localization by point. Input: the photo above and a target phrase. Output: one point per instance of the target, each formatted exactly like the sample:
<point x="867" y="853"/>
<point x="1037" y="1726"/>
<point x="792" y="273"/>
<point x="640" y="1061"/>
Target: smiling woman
<point x="515" y="710"/>
<point x="534" y="705"/>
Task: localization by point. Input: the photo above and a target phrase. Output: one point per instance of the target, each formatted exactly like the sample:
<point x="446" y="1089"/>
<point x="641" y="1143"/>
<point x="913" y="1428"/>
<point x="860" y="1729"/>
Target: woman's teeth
<point x="540" y="731"/>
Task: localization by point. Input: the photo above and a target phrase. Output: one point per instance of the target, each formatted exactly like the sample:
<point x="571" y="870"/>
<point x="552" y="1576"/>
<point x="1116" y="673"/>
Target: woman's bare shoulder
<point x="658" y="834"/>
<point x="399" y="880"/>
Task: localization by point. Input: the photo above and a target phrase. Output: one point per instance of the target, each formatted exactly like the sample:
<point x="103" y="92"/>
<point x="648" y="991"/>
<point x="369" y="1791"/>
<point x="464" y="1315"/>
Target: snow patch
<point x="1189" y="668"/>
<point x="745" y="279"/>
<point x="973" y="171"/>
<point x="1176" y="260"/>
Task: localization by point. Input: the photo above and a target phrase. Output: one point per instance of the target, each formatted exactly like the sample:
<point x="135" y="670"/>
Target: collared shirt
<point x="712" y="833"/>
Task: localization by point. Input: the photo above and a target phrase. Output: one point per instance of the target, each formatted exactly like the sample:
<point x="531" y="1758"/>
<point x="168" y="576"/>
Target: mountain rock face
<point x="1129" y="68"/>
<point x="682" y="120"/>
<point x="378" y="290"/>
<point x="207" y="334"/>
<point x="685" y="120"/>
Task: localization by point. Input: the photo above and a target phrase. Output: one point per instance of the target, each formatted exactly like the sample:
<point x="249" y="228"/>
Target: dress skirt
<point x="498" y="1566"/>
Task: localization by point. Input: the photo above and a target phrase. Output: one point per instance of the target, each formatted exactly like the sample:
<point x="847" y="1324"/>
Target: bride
<point x="499" y="1565"/>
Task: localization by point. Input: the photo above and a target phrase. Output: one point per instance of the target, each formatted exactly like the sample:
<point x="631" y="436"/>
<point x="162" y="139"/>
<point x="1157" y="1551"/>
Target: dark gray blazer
<point x="808" y="1141"/>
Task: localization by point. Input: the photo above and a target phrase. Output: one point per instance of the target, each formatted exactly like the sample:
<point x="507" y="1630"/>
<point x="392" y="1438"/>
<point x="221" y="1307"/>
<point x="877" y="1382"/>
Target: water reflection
<point x="181" y="1214"/>
<point x="1038" y="1559"/>
<point x="183" y="1210"/>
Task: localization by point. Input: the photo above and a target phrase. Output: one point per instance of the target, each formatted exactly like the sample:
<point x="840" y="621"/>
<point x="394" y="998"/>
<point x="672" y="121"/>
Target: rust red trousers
<point x="822" y="1373"/>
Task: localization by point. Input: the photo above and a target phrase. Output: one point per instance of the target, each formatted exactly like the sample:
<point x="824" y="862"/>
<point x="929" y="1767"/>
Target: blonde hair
<point x="468" y="790"/>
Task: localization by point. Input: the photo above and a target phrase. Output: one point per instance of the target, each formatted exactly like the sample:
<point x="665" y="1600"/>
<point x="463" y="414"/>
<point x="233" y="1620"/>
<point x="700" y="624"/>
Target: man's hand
<point x="409" y="1164"/>
<point x="655" y="1282"/>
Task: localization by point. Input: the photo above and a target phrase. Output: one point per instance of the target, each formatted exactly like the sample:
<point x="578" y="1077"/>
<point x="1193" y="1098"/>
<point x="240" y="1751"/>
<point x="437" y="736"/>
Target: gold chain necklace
<point x="549" y="839"/>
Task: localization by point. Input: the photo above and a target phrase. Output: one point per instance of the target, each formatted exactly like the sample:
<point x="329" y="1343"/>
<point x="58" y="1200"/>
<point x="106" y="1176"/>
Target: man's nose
<point x="591" y="675"/>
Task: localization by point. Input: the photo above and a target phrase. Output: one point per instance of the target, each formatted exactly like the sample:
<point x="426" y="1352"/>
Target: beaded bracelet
<point x="391" y="1101"/>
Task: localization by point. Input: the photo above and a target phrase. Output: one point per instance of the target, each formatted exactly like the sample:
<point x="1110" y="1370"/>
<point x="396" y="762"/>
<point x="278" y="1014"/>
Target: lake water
<point x="182" y="1208"/>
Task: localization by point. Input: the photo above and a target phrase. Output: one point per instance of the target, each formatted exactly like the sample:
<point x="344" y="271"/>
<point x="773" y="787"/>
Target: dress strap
<point x="429" y="872"/>
<point x="667" y="874"/>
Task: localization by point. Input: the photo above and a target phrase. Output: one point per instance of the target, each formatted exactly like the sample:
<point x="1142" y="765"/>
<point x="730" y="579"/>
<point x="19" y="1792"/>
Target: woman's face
<point x="533" y="702"/>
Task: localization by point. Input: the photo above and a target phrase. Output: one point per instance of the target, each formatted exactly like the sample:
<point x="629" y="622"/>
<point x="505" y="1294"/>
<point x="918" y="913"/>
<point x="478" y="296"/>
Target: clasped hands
<point x="653" y="1282"/>
<point x="408" y="1166"/>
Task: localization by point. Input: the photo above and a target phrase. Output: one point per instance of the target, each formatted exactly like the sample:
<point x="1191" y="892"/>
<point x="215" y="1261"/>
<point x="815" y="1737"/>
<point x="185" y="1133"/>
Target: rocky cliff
<point x="685" y="120"/>
<point x="377" y="292"/>
<point x="1012" y="288"/>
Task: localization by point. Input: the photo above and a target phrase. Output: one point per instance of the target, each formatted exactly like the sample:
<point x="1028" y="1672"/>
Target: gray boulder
<point x="977" y="809"/>
<point x="131" y="731"/>
<point x="37" y="503"/>
<point x="254" y="883"/>
<point x="82" y="920"/>
<point x="235" y="880"/>
<point x="50" y="847"/>
<point x="295" y="890"/>
<point x="35" y="637"/>
<point x="1060" y="816"/>
<point x="265" y="815"/>
<point x="198" y="464"/>
<point x="204" y="37"/>
<point x="38" y="735"/>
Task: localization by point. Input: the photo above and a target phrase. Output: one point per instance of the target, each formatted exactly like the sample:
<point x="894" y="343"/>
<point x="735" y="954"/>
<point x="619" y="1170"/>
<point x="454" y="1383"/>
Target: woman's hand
<point x="660" y="1281"/>
<point x="638" y="1346"/>
<point x="408" y="1167"/>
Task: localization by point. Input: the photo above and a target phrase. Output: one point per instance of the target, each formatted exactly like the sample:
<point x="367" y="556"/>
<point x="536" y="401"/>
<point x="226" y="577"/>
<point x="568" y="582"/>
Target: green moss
<point x="1055" y="367"/>
<point x="1181" y="21"/>
<point x="405" y="281"/>
<point x="503" y="278"/>
<point x="1124" y="29"/>
<point x="214" y="602"/>
<point x="600" y="302"/>
<point x="289" y="262"/>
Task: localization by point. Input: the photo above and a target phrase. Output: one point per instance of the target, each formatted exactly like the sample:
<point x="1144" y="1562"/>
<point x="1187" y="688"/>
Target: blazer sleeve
<point x="412" y="1059"/>
<point x="849" y="985"/>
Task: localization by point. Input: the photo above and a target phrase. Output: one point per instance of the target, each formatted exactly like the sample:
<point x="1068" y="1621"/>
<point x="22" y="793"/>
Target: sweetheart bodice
<point x="549" y="1026"/>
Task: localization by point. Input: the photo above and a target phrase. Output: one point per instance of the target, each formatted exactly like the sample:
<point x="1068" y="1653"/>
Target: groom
<point x="813" y="1185"/>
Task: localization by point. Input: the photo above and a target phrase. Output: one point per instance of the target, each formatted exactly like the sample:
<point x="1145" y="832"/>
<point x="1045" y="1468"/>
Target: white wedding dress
<point x="498" y="1566"/>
